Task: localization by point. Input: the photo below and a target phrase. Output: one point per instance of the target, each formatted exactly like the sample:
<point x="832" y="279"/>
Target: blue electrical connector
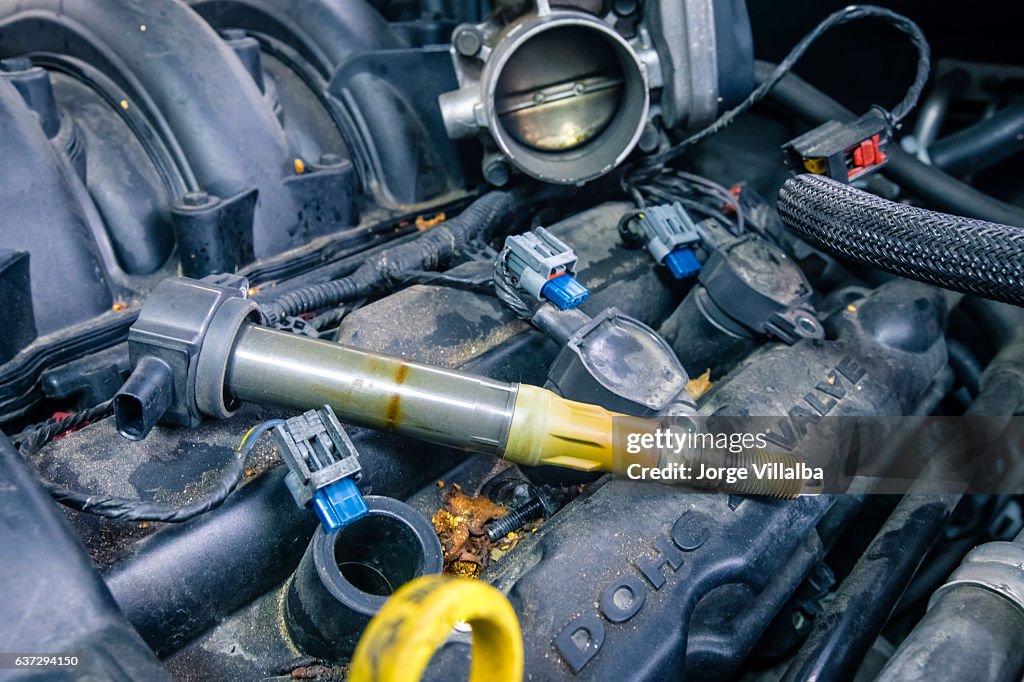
<point x="544" y="266"/>
<point x="323" y="467"/>
<point x="682" y="263"/>
<point x="565" y="292"/>
<point x="338" y="504"/>
<point x="671" y="236"/>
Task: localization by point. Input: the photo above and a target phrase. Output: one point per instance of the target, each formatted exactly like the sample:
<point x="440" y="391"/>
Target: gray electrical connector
<point x="544" y="267"/>
<point x="323" y="467"/>
<point x="671" y="235"/>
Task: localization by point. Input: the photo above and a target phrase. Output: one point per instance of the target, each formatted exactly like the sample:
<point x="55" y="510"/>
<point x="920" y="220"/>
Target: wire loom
<point x="31" y="441"/>
<point x="962" y="254"/>
<point x="838" y="18"/>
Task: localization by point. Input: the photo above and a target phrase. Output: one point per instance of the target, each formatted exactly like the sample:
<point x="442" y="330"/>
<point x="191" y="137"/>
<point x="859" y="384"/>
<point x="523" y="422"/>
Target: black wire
<point x="331" y="318"/>
<point x="482" y="284"/>
<point x="631" y="239"/>
<point x="35" y="437"/>
<point x="692" y="205"/>
<point x="507" y="292"/>
<point x="32" y="440"/>
<point x="848" y="14"/>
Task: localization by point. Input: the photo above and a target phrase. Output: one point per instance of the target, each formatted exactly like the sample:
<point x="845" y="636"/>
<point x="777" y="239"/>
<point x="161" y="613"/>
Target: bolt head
<point x="497" y="173"/>
<point x="15" y="64"/>
<point x="231" y="34"/>
<point x="468" y="42"/>
<point x="195" y="199"/>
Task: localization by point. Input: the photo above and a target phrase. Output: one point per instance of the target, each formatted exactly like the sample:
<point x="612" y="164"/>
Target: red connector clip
<point x="842" y="151"/>
<point x="866" y="156"/>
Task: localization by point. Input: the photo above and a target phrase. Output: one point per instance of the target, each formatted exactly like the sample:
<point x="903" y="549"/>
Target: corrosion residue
<point x="698" y="386"/>
<point x="459" y="524"/>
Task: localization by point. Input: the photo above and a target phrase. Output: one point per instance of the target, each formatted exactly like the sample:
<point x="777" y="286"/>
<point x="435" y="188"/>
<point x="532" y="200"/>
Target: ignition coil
<point x="219" y="356"/>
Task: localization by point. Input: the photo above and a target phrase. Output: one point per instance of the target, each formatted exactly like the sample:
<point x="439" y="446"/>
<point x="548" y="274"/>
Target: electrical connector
<point x="842" y="151"/>
<point x="671" y="236"/>
<point x="565" y="292"/>
<point x="544" y="266"/>
<point x="323" y="467"/>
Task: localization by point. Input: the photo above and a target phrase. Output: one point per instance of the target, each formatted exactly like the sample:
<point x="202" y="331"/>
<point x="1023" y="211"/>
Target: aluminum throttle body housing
<point x="565" y="95"/>
<point x="561" y="95"/>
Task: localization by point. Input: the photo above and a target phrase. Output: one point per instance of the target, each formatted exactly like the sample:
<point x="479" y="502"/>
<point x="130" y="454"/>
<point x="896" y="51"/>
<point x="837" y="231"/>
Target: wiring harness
<point x="843" y="16"/>
<point x="34" y="439"/>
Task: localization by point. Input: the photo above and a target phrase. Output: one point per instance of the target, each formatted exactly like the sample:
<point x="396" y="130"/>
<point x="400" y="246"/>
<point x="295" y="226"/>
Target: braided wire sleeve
<point x="962" y="254"/>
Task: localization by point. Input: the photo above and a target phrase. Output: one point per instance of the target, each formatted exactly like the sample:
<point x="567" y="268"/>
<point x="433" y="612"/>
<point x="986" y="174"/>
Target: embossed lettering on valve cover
<point x="816" y="404"/>
<point x="624" y="597"/>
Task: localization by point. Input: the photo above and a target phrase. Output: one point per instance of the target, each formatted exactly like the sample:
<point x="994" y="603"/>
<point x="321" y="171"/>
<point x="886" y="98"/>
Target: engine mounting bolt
<point x="624" y="8"/>
<point x="15" y="64"/>
<point x="232" y="34"/>
<point x="543" y="503"/>
<point x="497" y="173"/>
<point x="783" y="488"/>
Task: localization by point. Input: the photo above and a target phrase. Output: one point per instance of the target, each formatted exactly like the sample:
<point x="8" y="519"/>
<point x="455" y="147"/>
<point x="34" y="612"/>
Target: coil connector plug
<point x="671" y="236"/>
<point x="842" y="151"/>
<point x="323" y="467"/>
<point x="544" y="267"/>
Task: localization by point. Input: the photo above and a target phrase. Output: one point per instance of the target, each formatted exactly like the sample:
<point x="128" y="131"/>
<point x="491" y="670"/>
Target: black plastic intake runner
<point x="962" y="254"/>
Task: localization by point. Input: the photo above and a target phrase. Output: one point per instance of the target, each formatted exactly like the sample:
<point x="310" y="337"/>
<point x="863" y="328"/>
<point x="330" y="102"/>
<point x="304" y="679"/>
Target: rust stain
<point x="401" y="373"/>
<point x="395" y="400"/>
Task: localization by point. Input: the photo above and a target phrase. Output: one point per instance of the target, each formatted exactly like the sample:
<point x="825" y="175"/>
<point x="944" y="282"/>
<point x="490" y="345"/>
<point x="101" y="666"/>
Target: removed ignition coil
<point x="214" y="354"/>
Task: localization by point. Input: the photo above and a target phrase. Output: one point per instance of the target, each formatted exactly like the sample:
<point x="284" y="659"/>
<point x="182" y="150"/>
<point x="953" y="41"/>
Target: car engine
<point x="510" y="339"/>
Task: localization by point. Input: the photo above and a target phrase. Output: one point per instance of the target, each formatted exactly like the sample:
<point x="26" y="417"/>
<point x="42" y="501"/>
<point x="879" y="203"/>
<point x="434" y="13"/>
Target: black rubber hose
<point x="961" y="254"/>
<point x="983" y="144"/>
<point x="932" y="111"/>
<point x="935" y="187"/>
<point x="842" y="636"/>
<point x="967" y="367"/>
<point x="51" y="597"/>
<point x="433" y="249"/>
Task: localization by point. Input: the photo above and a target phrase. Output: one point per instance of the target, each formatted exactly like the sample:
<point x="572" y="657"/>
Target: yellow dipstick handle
<point x="417" y="619"/>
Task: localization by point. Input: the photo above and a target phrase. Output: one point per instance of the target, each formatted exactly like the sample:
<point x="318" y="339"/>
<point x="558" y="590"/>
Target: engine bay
<point x="553" y="339"/>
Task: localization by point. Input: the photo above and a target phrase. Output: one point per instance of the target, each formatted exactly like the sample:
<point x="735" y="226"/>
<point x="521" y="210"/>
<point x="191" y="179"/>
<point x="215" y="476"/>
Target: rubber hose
<point x="933" y="111"/>
<point x="967" y="367"/>
<point x="937" y="188"/>
<point x="434" y="248"/>
<point x="962" y="254"/>
<point x="983" y="144"/>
